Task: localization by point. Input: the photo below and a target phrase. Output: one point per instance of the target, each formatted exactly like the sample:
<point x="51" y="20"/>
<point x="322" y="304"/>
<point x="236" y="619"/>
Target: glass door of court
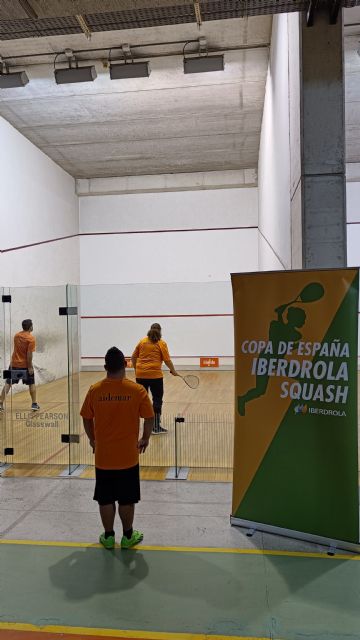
<point x="73" y="359"/>
<point x="36" y="405"/>
<point x="3" y="436"/>
<point x="6" y="434"/>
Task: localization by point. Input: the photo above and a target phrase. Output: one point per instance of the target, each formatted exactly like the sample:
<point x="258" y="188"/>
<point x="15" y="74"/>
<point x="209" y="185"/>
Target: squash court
<point x="204" y="440"/>
<point x="149" y="150"/>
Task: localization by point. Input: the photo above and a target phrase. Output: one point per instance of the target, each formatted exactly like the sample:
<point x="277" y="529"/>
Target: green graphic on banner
<point x="306" y="479"/>
<point x="282" y="332"/>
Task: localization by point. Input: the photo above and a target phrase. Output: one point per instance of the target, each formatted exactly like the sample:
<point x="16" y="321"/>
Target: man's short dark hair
<point x="26" y="324"/>
<point x="114" y="360"/>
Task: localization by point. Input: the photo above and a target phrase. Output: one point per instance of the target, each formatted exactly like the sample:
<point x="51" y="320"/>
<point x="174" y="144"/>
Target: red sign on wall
<point x="209" y="361"/>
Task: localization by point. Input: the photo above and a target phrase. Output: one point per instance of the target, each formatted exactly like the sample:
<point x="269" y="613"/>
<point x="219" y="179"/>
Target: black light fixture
<point x="203" y="62"/>
<point x="124" y="69"/>
<point x="73" y="73"/>
<point x="13" y="79"/>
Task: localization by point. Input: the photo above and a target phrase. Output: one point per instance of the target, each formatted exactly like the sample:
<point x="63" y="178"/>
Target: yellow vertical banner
<point x="295" y="448"/>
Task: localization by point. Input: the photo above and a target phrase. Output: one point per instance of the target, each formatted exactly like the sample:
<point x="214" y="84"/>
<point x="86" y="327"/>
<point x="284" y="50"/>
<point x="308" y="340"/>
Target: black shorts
<point x="28" y="379"/>
<point x="117" y="485"/>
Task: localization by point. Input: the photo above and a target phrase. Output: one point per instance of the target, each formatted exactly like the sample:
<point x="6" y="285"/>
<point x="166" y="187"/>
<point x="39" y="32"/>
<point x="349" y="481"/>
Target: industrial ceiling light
<point x="203" y="63"/>
<point x="125" y="69"/>
<point x="73" y="73"/>
<point x="11" y="80"/>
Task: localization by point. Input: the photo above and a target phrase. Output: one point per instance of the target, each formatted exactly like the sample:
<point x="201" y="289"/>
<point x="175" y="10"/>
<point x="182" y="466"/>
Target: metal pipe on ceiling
<point x="51" y="55"/>
<point x="134" y="46"/>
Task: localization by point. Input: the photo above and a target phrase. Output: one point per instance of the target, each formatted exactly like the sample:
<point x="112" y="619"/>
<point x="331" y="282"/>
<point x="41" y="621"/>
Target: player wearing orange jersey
<point x="21" y="360"/>
<point x="111" y="415"/>
<point x="147" y="359"/>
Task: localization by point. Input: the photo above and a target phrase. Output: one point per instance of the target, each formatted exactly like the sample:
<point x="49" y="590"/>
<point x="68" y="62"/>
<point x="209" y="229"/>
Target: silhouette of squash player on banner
<point x="282" y="330"/>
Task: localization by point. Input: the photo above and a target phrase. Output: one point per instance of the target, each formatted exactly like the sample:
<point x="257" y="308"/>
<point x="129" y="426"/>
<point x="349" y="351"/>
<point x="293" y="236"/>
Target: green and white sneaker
<point x="108" y="543"/>
<point x="136" y="537"/>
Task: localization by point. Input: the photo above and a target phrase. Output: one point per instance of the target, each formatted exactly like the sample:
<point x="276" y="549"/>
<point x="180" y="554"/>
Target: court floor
<point x="204" y="442"/>
<point x="202" y="445"/>
<point x="194" y="578"/>
<point x="194" y="593"/>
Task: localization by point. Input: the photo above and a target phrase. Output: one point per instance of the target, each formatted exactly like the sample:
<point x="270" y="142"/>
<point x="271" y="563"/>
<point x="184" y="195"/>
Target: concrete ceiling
<point x="167" y="123"/>
<point x="27" y="18"/>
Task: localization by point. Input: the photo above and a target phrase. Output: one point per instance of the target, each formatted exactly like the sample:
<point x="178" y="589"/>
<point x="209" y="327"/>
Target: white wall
<point x="353" y="231"/>
<point x="38" y="213"/>
<point x="196" y="319"/>
<point x="41" y="304"/>
<point x="274" y="157"/>
<point x="184" y="245"/>
<point x="38" y="204"/>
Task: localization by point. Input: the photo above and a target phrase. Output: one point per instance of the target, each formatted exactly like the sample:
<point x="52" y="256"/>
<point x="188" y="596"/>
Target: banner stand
<point x="295" y="470"/>
<point x="297" y="535"/>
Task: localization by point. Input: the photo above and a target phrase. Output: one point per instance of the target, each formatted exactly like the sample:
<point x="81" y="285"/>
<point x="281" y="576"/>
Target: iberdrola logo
<point x="301" y="409"/>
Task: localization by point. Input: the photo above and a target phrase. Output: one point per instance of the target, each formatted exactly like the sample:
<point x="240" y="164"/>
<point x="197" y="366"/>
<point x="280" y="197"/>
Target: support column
<point x="322" y="130"/>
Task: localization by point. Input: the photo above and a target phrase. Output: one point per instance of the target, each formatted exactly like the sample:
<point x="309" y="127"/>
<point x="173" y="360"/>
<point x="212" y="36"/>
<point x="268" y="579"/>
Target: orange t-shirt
<point x="23" y="342"/>
<point x="116" y="407"/>
<point x="149" y="358"/>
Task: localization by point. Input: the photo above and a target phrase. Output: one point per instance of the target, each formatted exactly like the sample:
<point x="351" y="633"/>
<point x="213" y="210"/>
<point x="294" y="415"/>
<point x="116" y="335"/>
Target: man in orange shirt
<point x="21" y="359"/>
<point x="111" y="415"/>
<point x="147" y="359"/>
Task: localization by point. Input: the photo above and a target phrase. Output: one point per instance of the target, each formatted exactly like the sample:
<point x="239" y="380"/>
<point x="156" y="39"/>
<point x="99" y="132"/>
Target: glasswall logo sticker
<point x="41" y="419"/>
<point x="318" y="371"/>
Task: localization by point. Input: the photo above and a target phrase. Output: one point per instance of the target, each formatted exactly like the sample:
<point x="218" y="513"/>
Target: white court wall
<point x="38" y="208"/>
<point x="184" y="245"/>
<point x="353" y="230"/>
<point x="274" y="157"/>
<point x="39" y="247"/>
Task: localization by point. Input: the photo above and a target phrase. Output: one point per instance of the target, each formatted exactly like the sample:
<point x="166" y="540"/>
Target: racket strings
<point x="191" y="380"/>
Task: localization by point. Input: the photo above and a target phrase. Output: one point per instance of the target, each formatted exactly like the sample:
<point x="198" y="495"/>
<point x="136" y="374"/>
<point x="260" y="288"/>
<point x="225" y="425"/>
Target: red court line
<point x="53" y="455"/>
<point x="36" y="244"/>
<point x="35" y="635"/>
<point x="176" y="315"/>
<point x="147" y="231"/>
<point x="178" y="357"/>
<point x="122" y="233"/>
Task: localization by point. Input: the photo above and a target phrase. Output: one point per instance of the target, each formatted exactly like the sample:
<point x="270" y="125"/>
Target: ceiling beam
<point x="311" y="13"/>
<point x="197" y="10"/>
<point x="30" y="12"/>
<point x="84" y="26"/>
<point x="334" y="8"/>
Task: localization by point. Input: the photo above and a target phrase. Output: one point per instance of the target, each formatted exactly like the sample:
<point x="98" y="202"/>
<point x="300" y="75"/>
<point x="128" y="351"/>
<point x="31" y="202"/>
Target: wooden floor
<point x="203" y="442"/>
